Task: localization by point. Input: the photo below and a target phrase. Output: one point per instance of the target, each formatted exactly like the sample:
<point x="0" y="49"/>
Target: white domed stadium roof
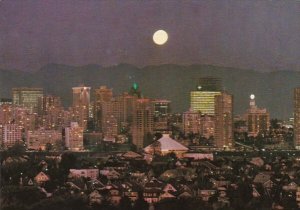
<point x="168" y="144"/>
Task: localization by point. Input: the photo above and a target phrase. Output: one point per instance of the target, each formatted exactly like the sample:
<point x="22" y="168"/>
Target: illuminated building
<point x="81" y="103"/>
<point x="191" y="122"/>
<point x="50" y="112"/>
<point x="38" y="139"/>
<point x="101" y="96"/>
<point x="297" y="118"/>
<point x="27" y="97"/>
<point x="6" y="114"/>
<point x="223" y="120"/>
<point x="110" y="128"/>
<point x="161" y="107"/>
<point x="166" y="145"/>
<point x="11" y="134"/>
<point x="142" y="122"/>
<point x="207" y="126"/>
<point x="47" y="103"/>
<point x="258" y="120"/>
<point x="203" y="99"/>
<point x="6" y="101"/>
<point x="18" y="115"/>
<point x="161" y="114"/>
<point x="74" y="137"/>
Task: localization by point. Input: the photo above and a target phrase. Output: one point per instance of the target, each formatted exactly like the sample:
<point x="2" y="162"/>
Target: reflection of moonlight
<point x="160" y="37"/>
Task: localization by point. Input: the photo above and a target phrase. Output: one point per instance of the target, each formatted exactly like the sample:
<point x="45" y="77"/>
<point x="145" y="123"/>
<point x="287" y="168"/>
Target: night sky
<point x="252" y="34"/>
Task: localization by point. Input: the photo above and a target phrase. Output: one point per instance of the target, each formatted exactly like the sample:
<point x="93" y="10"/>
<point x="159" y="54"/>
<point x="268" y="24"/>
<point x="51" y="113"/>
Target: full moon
<point x="252" y="96"/>
<point x="160" y="37"/>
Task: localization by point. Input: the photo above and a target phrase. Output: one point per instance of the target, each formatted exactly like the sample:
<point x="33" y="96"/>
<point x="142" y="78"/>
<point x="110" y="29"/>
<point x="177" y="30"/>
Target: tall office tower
<point x="27" y="97"/>
<point x="101" y="96"/>
<point x="258" y="120"/>
<point x="203" y="98"/>
<point x="81" y="103"/>
<point x="50" y="112"/>
<point x="223" y="120"/>
<point x="142" y="124"/>
<point x="161" y="114"/>
<point x="297" y="118"/>
<point x="191" y="122"/>
<point x="47" y="103"/>
<point x="74" y="137"/>
<point x="11" y="134"/>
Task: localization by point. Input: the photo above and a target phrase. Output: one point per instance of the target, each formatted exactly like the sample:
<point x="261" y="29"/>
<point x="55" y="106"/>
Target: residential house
<point x="41" y="178"/>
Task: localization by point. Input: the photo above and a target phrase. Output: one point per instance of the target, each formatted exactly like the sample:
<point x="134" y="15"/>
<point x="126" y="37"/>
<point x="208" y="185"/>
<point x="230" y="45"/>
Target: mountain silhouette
<point x="273" y="90"/>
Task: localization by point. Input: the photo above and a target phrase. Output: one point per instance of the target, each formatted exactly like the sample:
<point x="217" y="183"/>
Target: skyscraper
<point x="27" y="97"/>
<point x="161" y="114"/>
<point x="223" y="120"/>
<point x="81" y="102"/>
<point x="46" y="103"/>
<point x="102" y="95"/>
<point x="297" y="118"/>
<point x="258" y="119"/>
<point x="142" y="124"/>
<point x="203" y="98"/>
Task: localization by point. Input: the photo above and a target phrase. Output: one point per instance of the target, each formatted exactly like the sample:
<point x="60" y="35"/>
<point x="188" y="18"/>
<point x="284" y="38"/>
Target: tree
<point x="125" y="203"/>
<point x="17" y="149"/>
<point x="68" y="161"/>
<point x="140" y="203"/>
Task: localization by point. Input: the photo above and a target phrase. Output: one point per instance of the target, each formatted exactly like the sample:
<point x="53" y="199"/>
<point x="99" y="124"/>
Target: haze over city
<point x="259" y="35"/>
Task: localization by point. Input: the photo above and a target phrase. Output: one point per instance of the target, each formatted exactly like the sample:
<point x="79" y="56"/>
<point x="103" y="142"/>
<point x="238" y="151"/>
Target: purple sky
<point x="257" y="34"/>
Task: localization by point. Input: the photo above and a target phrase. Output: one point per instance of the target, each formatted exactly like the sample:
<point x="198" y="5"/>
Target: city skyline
<point x="149" y="105"/>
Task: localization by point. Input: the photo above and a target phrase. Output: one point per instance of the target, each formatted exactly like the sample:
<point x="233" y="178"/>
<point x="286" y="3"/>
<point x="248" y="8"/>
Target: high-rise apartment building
<point x="74" y="137"/>
<point x="142" y="122"/>
<point x="207" y="126"/>
<point x="297" y="118"/>
<point x="191" y="122"/>
<point x="81" y="102"/>
<point x="38" y="139"/>
<point x="50" y="112"/>
<point x="101" y="95"/>
<point x="223" y="120"/>
<point x="257" y="119"/>
<point x="27" y="97"/>
<point x="47" y="103"/>
<point x="11" y="134"/>
<point x="203" y="98"/>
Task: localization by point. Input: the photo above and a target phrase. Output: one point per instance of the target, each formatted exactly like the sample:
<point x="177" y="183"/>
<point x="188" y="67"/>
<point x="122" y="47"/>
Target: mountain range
<point x="273" y="90"/>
